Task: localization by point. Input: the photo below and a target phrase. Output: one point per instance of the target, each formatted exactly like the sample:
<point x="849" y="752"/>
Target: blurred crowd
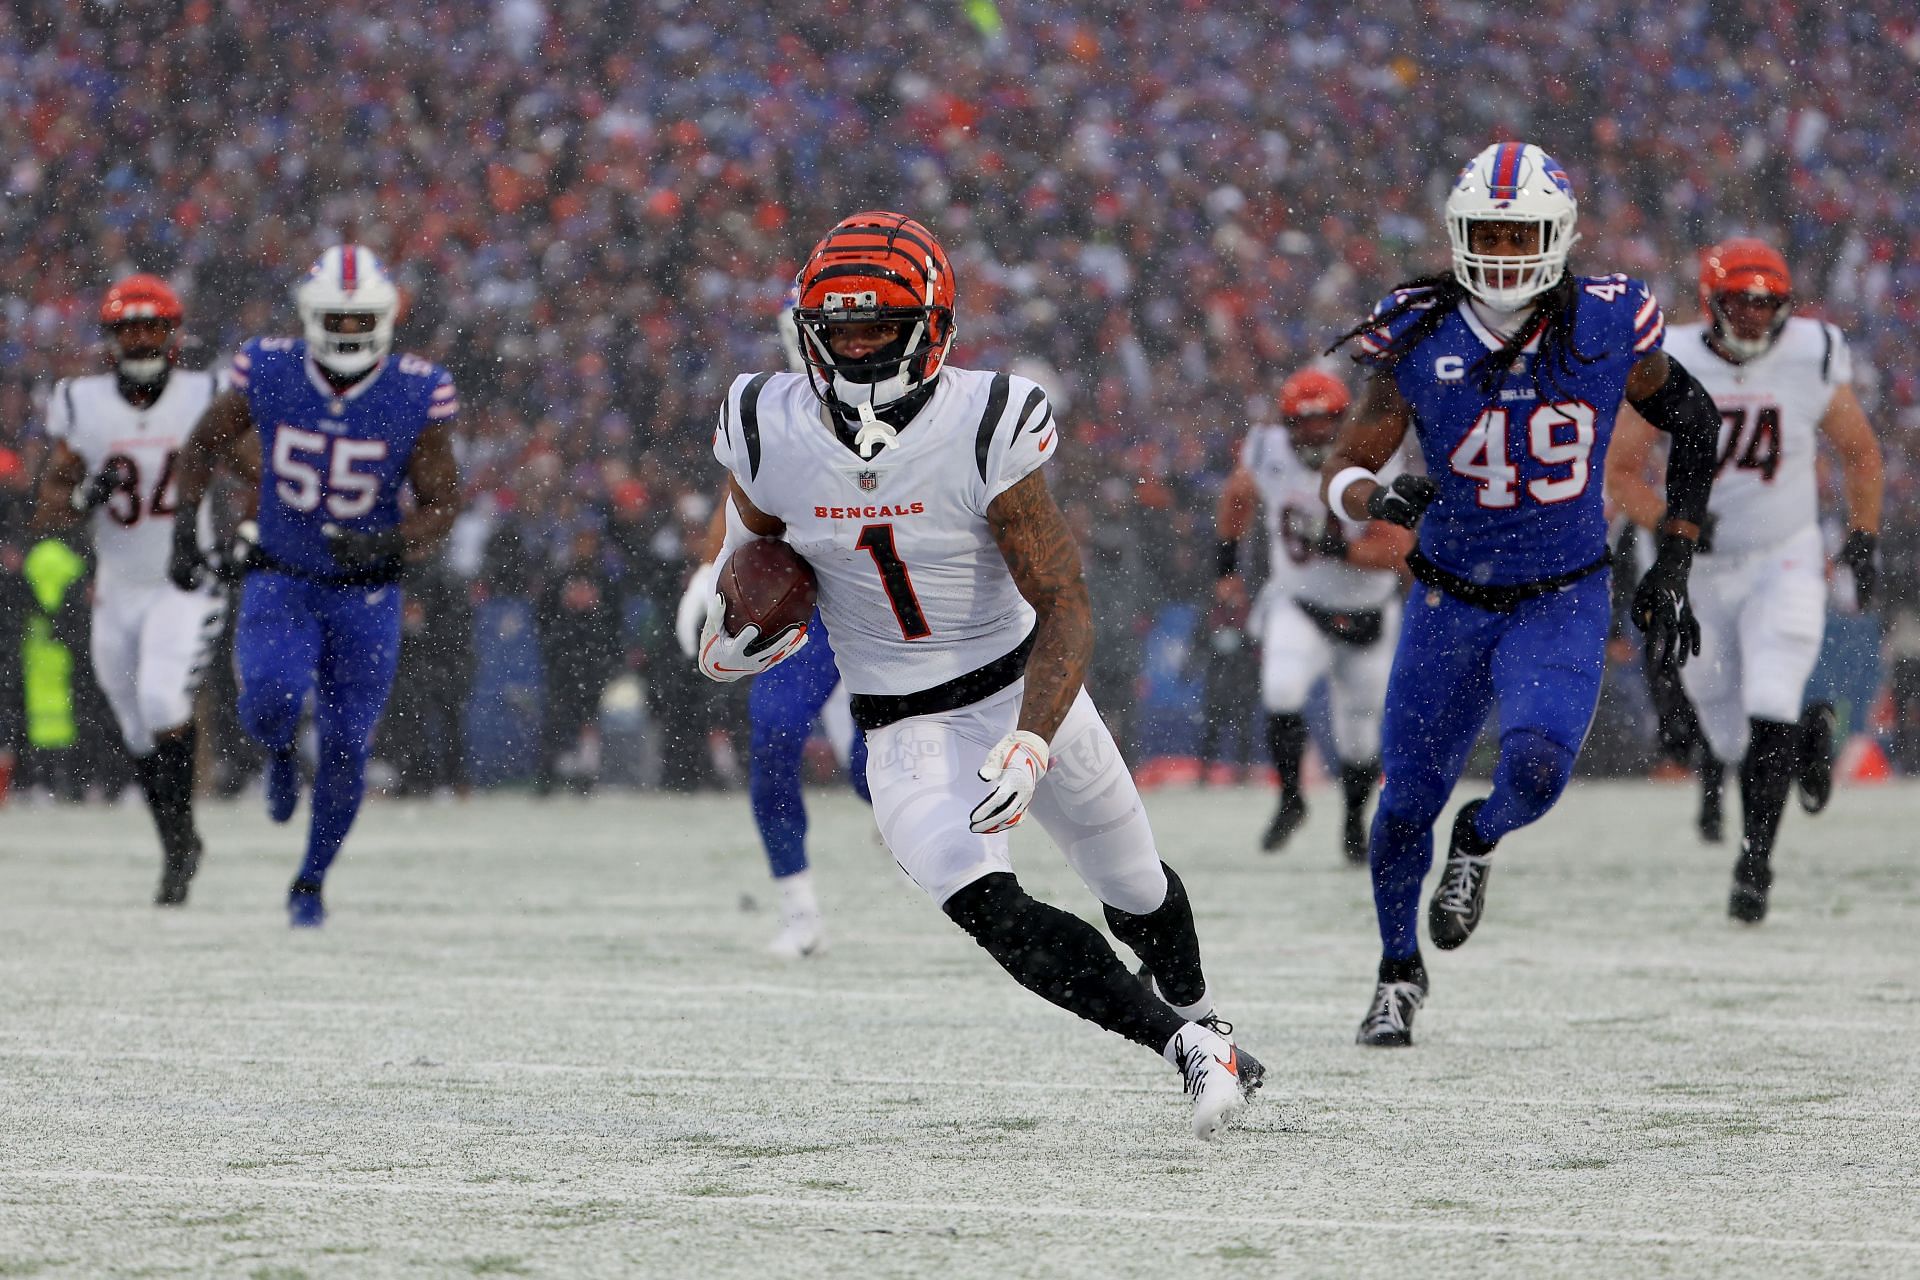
<point x="1156" y="209"/>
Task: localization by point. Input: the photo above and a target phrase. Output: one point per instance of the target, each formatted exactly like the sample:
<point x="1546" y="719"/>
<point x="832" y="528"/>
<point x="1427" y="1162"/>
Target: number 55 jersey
<point x="1519" y="463"/>
<point x="332" y="458"/>
<point x="1765" y="489"/>
<point x="913" y="588"/>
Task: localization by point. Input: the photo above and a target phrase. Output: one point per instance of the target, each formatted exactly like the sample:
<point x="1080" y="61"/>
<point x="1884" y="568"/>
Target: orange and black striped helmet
<point x="876" y="266"/>
<point x="1746" y="268"/>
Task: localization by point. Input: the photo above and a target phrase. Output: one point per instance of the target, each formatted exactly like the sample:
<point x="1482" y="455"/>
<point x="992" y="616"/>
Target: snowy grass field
<point x="541" y="1040"/>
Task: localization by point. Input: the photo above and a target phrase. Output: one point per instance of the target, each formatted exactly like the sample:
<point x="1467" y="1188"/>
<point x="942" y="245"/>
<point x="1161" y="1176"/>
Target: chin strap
<point x="874" y="434"/>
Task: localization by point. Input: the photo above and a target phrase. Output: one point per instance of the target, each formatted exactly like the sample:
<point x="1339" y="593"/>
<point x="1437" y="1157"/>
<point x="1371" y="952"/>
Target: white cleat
<point x="800" y="936"/>
<point x="1209" y="1066"/>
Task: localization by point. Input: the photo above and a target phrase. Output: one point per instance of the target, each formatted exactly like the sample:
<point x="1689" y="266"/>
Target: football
<point x="767" y="584"/>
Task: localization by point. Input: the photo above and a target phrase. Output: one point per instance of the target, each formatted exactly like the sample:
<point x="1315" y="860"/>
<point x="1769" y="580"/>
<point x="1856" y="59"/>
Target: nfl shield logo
<point x="869" y="481"/>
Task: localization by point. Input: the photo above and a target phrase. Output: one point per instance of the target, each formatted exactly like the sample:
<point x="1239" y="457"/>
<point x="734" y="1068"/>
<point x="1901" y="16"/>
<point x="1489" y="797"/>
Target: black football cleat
<point x="1815" y="775"/>
<point x="176" y="874"/>
<point x="1286" y="820"/>
<point x="1353" y="840"/>
<point x="1713" y="809"/>
<point x="1453" y="913"/>
<point x="1389" y="1020"/>
<point x="1752" y="878"/>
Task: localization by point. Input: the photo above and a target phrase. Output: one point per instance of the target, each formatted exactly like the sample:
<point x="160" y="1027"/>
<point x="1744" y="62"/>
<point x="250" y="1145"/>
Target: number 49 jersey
<point x="913" y="588"/>
<point x="328" y="458"/>
<point x="1765" y="489"/>
<point x="1519" y="466"/>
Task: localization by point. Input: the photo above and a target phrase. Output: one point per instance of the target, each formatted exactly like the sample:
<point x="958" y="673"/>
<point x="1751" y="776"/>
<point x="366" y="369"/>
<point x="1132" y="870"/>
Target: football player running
<point x="1780" y="381"/>
<point x="782" y="706"/>
<point x="115" y="440"/>
<point x="332" y="425"/>
<point x="1510" y="370"/>
<point x="953" y="591"/>
<point x="1330" y="608"/>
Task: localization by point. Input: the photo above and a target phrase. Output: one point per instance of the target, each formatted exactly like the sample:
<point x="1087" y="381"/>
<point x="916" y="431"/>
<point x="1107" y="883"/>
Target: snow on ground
<point x="540" y="1039"/>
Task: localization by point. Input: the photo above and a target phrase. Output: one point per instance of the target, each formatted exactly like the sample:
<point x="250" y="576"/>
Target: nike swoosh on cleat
<point x="1230" y="1062"/>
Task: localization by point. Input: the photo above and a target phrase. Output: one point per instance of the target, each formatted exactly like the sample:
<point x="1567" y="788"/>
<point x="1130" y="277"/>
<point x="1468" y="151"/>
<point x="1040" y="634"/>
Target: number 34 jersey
<point x="133" y="530"/>
<point x="913" y="588"/>
<point x="1519" y="464"/>
<point x="333" y="458"/>
<point x="1765" y="489"/>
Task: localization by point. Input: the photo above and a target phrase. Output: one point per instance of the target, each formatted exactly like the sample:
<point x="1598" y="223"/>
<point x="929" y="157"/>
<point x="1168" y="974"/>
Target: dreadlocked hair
<point x="1437" y="295"/>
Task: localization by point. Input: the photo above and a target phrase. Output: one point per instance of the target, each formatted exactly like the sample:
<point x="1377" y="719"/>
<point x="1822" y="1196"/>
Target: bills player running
<point x="115" y="439"/>
<point x="1330" y="609"/>
<point x="1781" y="381"/>
<point x="1510" y="370"/>
<point x="961" y="624"/>
<point x="333" y="426"/>
<point x="782" y="706"/>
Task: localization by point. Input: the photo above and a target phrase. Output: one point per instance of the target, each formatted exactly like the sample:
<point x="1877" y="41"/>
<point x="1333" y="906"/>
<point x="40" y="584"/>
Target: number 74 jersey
<point x="913" y="588"/>
<point x="1765" y="489"/>
<point x="330" y="458"/>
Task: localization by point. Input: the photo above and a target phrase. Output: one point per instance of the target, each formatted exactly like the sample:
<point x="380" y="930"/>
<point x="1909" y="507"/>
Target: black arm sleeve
<point x="1683" y="409"/>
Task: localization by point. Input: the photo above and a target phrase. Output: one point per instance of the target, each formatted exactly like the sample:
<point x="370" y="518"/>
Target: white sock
<point x="796" y="895"/>
<point x="1199" y="1009"/>
<point x="1172" y="1058"/>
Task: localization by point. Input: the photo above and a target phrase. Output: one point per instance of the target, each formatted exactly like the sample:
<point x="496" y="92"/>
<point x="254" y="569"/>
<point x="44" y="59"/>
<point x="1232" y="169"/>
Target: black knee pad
<point x="990" y="909"/>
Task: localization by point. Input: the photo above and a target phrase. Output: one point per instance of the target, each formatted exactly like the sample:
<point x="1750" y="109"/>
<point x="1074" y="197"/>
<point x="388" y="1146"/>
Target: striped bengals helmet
<point x="140" y="298"/>
<point x="876" y="266"/>
<point x="1312" y="402"/>
<point x="1751" y="269"/>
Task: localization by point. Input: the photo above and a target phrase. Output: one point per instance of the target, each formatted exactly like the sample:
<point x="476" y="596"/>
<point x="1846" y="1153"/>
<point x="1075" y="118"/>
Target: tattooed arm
<point x="1045" y="563"/>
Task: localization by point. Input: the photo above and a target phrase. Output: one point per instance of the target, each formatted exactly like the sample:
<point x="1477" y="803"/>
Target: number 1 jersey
<point x="333" y="458"/>
<point x="913" y="588"/>
<point x="1519" y="465"/>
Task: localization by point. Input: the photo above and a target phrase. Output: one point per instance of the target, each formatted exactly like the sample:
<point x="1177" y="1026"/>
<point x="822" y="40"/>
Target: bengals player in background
<point x="1781" y="382"/>
<point x="115" y="438"/>
<point x="952" y="589"/>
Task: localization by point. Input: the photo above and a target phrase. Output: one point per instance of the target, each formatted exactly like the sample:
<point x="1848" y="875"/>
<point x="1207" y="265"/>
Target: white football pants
<point x="1295" y="655"/>
<point x="150" y="647"/>
<point x="1762" y="616"/>
<point x="924" y="775"/>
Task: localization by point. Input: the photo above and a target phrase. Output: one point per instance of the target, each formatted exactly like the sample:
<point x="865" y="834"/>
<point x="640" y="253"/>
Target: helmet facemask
<point x="885" y="376"/>
<point x="143" y="350"/>
<point x="347" y="281"/>
<point x="349" y="342"/>
<point x="1510" y="282"/>
<point x="1726" y="335"/>
<point x="1312" y="437"/>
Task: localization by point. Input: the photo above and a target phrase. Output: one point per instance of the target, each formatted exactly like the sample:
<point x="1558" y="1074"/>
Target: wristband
<point x="1337" y="489"/>
<point x="1226" y="555"/>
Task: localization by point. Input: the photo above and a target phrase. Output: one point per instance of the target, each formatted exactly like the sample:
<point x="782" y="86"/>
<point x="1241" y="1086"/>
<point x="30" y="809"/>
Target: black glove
<point x="1403" y="501"/>
<point x="238" y="558"/>
<point x="115" y="476"/>
<point x="1857" y="555"/>
<point x="186" y="561"/>
<point x="1660" y="605"/>
<point x="358" y="550"/>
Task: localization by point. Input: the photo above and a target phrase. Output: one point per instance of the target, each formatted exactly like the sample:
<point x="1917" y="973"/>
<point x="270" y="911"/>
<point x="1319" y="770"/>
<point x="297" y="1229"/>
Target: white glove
<point x="693" y="608"/>
<point x="727" y="658"/>
<point x="1014" y="767"/>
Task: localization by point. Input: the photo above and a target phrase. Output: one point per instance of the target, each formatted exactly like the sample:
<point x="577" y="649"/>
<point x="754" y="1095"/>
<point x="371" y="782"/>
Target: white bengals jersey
<point x="1765" y="489"/>
<point x="913" y="588"/>
<point x="133" y="530"/>
<point x="1298" y="524"/>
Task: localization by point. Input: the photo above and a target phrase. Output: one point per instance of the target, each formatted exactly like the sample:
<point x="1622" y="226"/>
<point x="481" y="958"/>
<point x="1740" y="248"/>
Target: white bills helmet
<point x="347" y="280"/>
<point x="1511" y="182"/>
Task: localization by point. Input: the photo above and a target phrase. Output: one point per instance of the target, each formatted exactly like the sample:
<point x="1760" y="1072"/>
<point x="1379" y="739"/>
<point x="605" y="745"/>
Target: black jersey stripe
<point x="1035" y="399"/>
<point x="996" y="406"/>
<point x="1826" y="358"/>
<point x="750" y="421"/>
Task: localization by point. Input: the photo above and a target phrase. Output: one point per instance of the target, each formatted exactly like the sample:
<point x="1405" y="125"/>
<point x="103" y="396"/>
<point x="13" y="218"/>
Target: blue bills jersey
<point x="328" y="458"/>
<point x="1519" y="465"/>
